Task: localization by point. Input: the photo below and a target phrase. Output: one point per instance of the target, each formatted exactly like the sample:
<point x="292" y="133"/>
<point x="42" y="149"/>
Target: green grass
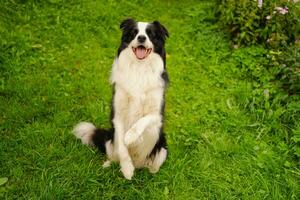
<point x="55" y="63"/>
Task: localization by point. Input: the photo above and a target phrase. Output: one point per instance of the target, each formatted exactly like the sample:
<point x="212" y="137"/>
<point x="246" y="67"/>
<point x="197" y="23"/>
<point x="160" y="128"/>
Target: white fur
<point x="106" y="164"/>
<point x="84" y="131"/>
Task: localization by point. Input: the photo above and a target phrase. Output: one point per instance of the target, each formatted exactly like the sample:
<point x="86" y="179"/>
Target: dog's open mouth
<point x="141" y="52"/>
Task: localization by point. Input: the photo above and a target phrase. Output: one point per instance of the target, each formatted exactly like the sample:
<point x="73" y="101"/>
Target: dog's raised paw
<point x="131" y="137"/>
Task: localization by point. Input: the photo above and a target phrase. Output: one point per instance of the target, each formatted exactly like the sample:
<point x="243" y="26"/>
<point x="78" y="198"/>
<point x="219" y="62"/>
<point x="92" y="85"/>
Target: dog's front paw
<point x="131" y="136"/>
<point x="127" y="170"/>
<point x="106" y="164"/>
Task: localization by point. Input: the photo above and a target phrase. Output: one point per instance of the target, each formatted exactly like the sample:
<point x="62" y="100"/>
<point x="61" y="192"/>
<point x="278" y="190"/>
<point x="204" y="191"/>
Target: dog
<point x="139" y="79"/>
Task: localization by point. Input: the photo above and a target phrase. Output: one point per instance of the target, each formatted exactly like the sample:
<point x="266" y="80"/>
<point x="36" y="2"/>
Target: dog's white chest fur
<point x="137" y="77"/>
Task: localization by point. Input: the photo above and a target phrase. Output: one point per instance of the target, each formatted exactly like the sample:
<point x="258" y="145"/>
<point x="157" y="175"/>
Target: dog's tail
<point x="90" y="135"/>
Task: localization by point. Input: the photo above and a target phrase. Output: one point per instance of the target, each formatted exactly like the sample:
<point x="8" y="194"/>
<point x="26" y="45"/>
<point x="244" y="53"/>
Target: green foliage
<point x="275" y="24"/>
<point x="274" y="95"/>
<point x="274" y="72"/>
<point x="287" y="63"/>
<point x="296" y="140"/>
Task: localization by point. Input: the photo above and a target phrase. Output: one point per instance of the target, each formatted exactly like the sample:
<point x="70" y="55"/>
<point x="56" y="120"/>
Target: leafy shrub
<point x="252" y="61"/>
<point x="273" y="97"/>
<point x="288" y="68"/>
<point x="280" y="67"/>
<point x="287" y="64"/>
<point x="274" y="22"/>
<point x="274" y="73"/>
<point x="296" y="141"/>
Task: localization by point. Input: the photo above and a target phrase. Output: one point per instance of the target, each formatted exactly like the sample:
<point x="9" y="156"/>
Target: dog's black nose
<point x="141" y="38"/>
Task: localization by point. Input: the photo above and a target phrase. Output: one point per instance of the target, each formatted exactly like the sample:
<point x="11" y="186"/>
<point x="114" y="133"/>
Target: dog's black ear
<point x="161" y="29"/>
<point x="129" y="22"/>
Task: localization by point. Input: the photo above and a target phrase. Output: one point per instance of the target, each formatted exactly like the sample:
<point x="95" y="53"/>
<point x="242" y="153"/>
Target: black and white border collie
<point x="139" y="79"/>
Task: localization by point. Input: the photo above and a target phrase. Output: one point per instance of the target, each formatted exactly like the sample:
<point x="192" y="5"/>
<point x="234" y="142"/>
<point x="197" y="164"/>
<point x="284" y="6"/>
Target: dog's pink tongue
<point x="140" y="53"/>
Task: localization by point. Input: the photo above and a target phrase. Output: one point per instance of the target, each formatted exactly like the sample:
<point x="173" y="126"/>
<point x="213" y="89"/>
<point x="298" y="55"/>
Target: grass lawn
<point x="55" y="61"/>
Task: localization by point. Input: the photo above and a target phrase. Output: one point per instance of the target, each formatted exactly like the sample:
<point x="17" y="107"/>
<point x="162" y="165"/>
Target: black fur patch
<point x="157" y="33"/>
<point x="129" y="28"/>
<point x="165" y="77"/>
<point x="101" y="136"/>
<point x="161" y="143"/>
<point x="112" y="109"/>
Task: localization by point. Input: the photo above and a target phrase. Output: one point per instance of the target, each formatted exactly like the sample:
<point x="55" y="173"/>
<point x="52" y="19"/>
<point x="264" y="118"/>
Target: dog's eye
<point x="149" y="32"/>
<point x="135" y="31"/>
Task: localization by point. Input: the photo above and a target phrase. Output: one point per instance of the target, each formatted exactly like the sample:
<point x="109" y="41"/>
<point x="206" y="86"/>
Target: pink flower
<point x="281" y="10"/>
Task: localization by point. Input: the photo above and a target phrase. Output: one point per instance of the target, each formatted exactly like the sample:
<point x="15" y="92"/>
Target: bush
<point x="274" y="72"/>
<point x="288" y="68"/>
<point x="273" y="95"/>
<point x="274" y="23"/>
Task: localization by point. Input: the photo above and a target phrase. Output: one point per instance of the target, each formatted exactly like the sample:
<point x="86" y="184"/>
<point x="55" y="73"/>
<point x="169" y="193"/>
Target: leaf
<point x="166" y="191"/>
<point x="228" y="104"/>
<point x="37" y="46"/>
<point x="287" y="164"/>
<point x="297" y="151"/>
<point x="3" y="180"/>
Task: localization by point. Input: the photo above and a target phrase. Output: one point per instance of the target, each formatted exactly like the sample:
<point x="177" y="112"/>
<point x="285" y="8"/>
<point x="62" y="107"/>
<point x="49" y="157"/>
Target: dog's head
<point x="143" y="38"/>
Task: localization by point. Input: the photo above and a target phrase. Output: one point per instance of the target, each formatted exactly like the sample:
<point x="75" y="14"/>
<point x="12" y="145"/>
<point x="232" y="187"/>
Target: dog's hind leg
<point x="158" y="159"/>
<point x="110" y="154"/>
